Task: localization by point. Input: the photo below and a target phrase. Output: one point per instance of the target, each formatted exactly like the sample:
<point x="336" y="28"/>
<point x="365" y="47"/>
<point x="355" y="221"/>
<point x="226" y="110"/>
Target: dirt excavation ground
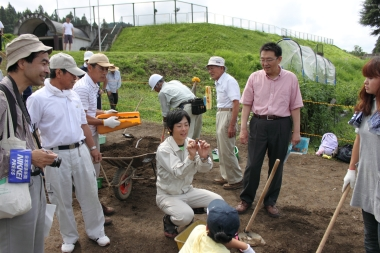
<point x="310" y="193"/>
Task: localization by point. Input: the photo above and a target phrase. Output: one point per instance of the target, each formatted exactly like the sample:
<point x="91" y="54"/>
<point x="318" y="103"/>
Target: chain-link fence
<point x="173" y="12"/>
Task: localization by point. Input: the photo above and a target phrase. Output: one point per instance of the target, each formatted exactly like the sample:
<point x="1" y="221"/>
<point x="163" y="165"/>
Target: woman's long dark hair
<point x="370" y="70"/>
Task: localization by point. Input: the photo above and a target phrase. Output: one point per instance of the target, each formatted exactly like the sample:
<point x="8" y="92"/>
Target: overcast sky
<point x="335" y="19"/>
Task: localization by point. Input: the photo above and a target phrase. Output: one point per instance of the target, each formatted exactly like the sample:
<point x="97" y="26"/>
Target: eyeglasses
<point x="268" y="60"/>
<point x="102" y="69"/>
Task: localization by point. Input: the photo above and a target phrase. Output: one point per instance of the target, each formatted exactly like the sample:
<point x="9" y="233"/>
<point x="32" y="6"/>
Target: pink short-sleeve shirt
<point x="268" y="96"/>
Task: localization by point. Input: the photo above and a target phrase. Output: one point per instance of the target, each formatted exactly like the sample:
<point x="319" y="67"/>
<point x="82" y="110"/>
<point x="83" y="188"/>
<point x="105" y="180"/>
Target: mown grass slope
<point x="181" y="51"/>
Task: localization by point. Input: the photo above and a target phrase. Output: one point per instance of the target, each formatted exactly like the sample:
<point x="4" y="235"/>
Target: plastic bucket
<point x="182" y="237"/>
<point x="99" y="180"/>
<point x="102" y="139"/>
<point x="215" y="156"/>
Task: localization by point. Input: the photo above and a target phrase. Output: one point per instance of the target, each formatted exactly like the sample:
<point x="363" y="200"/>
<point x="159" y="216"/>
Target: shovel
<point x="333" y="219"/>
<point x="130" y="135"/>
<point x="251" y="238"/>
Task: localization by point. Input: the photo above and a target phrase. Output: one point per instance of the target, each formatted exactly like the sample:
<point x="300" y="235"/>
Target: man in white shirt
<point x="175" y="94"/>
<point x="68" y="33"/>
<point x="228" y="96"/>
<point x="87" y="89"/>
<point x="56" y="110"/>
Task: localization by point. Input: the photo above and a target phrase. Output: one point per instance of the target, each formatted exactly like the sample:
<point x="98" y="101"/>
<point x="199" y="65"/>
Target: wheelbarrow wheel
<point x="122" y="191"/>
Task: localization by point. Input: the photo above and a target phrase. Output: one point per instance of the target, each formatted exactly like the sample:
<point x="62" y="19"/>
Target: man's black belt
<point x="181" y="105"/>
<point x="268" y="117"/>
<point x="71" y="146"/>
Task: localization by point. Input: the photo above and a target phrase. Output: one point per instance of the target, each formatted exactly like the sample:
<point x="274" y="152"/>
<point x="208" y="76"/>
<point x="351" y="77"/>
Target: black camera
<point x="56" y="163"/>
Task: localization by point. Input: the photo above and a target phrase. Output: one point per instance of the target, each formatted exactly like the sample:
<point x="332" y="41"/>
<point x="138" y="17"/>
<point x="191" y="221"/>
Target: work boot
<point x="107" y="210"/>
<point x="170" y="229"/>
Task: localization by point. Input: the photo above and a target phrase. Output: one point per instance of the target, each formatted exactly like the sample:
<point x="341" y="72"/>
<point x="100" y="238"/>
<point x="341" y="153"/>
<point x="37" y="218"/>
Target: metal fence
<point x="173" y="12"/>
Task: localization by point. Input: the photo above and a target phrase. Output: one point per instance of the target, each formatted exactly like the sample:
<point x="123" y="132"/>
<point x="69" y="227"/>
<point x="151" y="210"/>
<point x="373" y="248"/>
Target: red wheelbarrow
<point x="127" y="166"/>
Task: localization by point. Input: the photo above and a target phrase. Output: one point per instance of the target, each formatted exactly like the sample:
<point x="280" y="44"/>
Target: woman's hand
<point x="203" y="149"/>
<point x="192" y="148"/>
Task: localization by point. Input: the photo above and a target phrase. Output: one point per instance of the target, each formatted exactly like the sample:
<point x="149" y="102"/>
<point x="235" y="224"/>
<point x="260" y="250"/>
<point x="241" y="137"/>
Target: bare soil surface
<point x="310" y="193"/>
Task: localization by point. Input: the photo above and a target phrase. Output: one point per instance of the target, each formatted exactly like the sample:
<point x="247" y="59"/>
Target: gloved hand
<point x="111" y="122"/>
<point x="248" y="250"/>
<point x="110" y="111"/>
<point x="350" y="178"/>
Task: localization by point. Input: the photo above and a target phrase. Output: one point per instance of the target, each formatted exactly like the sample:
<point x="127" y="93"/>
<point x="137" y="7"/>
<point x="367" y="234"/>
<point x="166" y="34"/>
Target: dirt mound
<point x="131" y="147"/>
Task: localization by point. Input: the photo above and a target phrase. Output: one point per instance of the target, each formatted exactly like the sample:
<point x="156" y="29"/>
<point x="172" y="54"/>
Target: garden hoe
<point x="130" y="135"/>
<point x="333" y="219"/>
<point x="251" y="238"/>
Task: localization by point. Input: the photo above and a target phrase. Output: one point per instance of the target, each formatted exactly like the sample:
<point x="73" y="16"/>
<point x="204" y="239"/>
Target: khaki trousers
<point x="228" y="163"/>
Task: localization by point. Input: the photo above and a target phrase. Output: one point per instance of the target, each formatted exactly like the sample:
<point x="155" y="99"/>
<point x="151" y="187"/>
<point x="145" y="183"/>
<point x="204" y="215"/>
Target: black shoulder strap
<point x="12" y="106"/>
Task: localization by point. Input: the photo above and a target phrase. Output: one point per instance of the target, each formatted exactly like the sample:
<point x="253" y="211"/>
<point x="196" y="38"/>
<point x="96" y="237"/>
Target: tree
<point x="358" y="51"/>
<point x="376" y="50"/>
<point x="370" y="15"/>
<point x="40" y="10"/>
<point x="84" y="20"/>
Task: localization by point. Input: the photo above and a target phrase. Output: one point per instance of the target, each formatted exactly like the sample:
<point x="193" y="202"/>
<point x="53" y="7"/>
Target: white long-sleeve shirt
<point x="175" y="171"/>
<point x="113" y="81"/>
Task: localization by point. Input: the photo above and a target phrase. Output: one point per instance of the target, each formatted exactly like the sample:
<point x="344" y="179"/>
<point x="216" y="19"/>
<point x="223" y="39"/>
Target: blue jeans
<point x="371" y="233"/>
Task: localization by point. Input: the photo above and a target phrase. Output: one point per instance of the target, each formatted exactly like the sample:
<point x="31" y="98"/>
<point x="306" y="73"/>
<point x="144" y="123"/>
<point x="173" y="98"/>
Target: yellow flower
<point x="195" y="79"/>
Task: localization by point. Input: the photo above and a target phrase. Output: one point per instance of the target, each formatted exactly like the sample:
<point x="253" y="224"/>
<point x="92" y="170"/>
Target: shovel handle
<point x="333" y="219"/>
<point x="137" y="107"/>
<point x="261" y="200"/>
<point x="163" y="135"/>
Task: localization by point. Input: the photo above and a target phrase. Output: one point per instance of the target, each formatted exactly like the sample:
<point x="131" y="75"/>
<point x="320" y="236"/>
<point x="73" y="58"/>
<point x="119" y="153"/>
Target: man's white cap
<point x="65" y="61"/>
<point x="216" y="61"/>
<point x="87" y="55"/>
<point x="153" y="80"/>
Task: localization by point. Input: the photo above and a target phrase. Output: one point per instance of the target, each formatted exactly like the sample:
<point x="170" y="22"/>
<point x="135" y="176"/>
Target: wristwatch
<point x="205" y="158"/>
<point x="92" y="148"/>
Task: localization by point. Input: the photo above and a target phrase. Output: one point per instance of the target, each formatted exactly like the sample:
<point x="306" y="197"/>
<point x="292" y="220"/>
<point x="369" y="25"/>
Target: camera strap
<point x="12" y="103"/>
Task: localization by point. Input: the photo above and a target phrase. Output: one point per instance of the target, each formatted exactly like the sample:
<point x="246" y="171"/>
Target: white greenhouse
<point x="302" y="59"/>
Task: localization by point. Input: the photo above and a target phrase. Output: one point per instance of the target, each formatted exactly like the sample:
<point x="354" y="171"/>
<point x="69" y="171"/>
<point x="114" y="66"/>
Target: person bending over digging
<point x="178" y="159"/>
<point x="219" y="234"/>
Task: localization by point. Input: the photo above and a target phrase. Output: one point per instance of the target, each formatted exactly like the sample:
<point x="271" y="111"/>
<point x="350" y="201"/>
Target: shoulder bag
<point x="14" y="198"/>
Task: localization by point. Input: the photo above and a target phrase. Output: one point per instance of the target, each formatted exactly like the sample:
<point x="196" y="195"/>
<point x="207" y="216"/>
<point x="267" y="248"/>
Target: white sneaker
<point x="67" y="247"/>
<point x="103" y="241"/>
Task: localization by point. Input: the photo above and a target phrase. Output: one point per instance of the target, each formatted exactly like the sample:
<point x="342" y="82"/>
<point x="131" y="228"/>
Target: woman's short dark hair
<point x="174" y="117"/>
<point x="220" y="237"/>
<point x="53" y="73"/>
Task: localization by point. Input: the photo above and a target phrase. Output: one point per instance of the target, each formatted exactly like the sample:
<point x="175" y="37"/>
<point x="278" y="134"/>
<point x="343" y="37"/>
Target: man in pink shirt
<point x="274" y="97"/>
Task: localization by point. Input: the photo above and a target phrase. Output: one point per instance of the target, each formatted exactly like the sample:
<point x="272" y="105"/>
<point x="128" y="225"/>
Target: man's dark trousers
<point x="265" y="135"/>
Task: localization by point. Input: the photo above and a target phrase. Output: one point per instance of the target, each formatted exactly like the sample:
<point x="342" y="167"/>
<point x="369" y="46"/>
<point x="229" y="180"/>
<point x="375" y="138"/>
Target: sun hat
<point x="216" y="61"/>
<point x="113" y="68"/>
<point x="100" y="59"/>
<point x="153" y="80"/>
<point x="222" y="218"/>
<point x="87" y="55"/>
<point x="65" y="61"/>
<point x="22" y="46"/>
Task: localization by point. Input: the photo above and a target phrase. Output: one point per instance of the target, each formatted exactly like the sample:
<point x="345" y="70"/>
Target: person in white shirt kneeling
<point x="179" y="158"/>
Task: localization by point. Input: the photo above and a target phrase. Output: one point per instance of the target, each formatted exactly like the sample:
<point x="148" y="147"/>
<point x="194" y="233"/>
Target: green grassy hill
<point x="181" y="51"/>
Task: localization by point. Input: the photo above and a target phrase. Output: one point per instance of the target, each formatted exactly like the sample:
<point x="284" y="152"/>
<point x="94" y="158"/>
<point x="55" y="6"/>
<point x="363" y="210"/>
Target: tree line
<point x="9" y="17"/>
